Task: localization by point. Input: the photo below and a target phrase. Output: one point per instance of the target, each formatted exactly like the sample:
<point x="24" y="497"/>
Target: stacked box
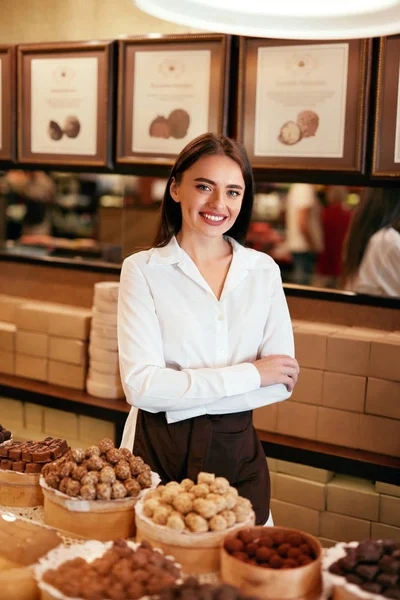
<point x="103" y="379"/>
<point x="7" y="348"/>
<point x="348" y="389"/>
<point x="51" y="343"/>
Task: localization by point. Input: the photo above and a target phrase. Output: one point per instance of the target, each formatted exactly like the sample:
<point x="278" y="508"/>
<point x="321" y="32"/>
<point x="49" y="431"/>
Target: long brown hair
<point x="378" y="208"/>
<point x="207" y="144"/>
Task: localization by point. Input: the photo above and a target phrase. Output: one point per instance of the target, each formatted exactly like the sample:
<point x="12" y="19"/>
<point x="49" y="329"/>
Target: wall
<point x="26" y="21"/>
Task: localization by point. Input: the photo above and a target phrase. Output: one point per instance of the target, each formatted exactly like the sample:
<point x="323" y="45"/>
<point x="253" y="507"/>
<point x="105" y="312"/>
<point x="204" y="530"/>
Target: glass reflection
<point x="308" y="229"/>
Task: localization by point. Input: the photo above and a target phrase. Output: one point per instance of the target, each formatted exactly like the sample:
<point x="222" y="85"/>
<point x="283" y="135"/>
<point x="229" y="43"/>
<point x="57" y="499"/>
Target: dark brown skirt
<point x="226" y="445"/>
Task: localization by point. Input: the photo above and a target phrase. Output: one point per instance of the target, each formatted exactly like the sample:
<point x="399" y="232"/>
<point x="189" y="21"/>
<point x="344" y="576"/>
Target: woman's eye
<point x="233" y="193"/>
<point x="203" y="187"/>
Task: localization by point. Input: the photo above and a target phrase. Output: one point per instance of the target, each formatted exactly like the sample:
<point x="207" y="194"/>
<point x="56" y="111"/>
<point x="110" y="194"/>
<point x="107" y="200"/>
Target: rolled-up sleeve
<point x="148" y="383"/>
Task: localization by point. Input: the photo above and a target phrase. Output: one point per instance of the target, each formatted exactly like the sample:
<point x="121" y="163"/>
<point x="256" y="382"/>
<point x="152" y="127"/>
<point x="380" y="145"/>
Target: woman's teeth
<point x="212" y="217"/>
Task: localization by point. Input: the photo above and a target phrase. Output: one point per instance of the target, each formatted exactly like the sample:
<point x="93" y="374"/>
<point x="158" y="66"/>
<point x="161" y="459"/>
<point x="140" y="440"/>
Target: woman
<point x="372" y="248"/>
<point x="203" y="328"/>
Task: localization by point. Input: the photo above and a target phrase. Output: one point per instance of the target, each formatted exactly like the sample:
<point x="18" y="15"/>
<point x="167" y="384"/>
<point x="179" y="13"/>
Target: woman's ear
<point x="173" y="190"/>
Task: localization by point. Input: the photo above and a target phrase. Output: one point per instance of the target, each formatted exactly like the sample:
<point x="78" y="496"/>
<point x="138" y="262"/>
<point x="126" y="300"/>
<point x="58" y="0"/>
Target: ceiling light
<point x="289" y="19"/>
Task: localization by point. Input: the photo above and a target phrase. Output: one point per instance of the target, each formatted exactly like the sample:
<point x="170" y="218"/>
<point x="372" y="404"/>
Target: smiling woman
<point x="204" y="331"/>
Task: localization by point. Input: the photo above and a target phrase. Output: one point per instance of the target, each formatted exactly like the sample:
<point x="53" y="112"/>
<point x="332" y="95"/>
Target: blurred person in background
<point x="335" y="223"/>
<point x="303" y="231"/>
<point x="371" y="262"/>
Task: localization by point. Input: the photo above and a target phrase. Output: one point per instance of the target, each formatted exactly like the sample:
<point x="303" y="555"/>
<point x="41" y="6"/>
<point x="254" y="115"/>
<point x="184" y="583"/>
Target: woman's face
<point x="210" y="194"/>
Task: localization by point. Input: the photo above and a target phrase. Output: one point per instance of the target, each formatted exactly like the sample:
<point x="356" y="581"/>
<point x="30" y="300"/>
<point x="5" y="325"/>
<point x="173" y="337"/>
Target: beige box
<point x="344" y="392"/>
<point x="338" y="427"/>
<point x="308" y="388"/>
<point x="272" y="464"/>
<point x="344" y="528"/>
<point x="8" y="307"/>
<point x="389" y="510"/>
<point x="304" y="471"/>
<point x="264" y="418"/>
<point x="388" y="489"/>
<point x="12" y="413"/>
<point x="272" y="478"/>
<point x="33" y="316"/>
<point x="294" y="516"/>
<point x="7" y="336"/>
<point x="60" y="423"/>
<point x="348" y="352"/>
<point x="380" y="435"/>
<point x="33" y="367"/>
<point x="303" y="491"/>
<point x="72" y="376"/>
<point x="70" y="322"/>
<point x="379" y="531"/>
<point x="354" y="497"/>
<point x="68" y="350"/>
<point x="7" y="362"/>
<point x="310" y="348"/>
<point x="94" y="429"/>
<point x="32" y="343"/>
<point x="385" y="358"/>
<point x="299" y="420"/>
<point x="34" y="417"/>
<point x="383" y="398"/>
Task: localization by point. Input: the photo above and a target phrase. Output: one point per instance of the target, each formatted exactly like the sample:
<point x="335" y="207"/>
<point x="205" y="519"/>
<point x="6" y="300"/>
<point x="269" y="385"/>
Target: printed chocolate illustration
<point x="179" y="121"/>
<point x="159" y="128"/>
<point x="54" y="130"/>
<point x="306" y="125"/>
<point x="308" y="122"/>
<point x="71" y="128"/>
<point x="290" y="133"/>
<point x="175" y="126"/>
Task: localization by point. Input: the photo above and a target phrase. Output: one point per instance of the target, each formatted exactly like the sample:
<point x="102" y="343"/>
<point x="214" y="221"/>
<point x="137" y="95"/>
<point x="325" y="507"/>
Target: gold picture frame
<point x="349" y="155"/>
<point x="165" y="63"/>
<point x="87" y="140"/>
<point x="7" y="103"/>
<point x="386" y="148"/>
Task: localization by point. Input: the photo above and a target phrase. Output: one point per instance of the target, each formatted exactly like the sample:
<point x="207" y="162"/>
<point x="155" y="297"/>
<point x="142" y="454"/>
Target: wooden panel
<point x="342" y="313"/>
<point x="50" y="284"/>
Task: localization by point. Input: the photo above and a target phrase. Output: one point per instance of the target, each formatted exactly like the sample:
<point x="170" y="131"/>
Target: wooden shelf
<point x="360" y="463"/>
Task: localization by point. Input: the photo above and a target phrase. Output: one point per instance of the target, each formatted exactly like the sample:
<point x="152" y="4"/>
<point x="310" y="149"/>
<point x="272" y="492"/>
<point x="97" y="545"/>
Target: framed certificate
<point x="7" y="103"/>
<point x="65" y="103"/>
<point x="386" y="153"/>
<point x="303" y="105"/>
<point x="170" y="90"/>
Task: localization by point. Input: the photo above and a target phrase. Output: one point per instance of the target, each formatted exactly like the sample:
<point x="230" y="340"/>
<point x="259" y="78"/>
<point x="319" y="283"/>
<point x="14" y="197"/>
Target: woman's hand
<point x="278" y="368"/>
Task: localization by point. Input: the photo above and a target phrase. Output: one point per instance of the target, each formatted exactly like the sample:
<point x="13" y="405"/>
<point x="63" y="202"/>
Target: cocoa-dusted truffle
<point x="63" y="484"/>
<point x="144" y="480"/>
<point x="67" y="468"/>
<point x="132" y="487"/>
<point x="114" y="456"/>
<point x="95" y="463"/>
<point x="88" y="492"/>
<point x="122" y="470"/>
<point x="78" y="472"/>
<point x="105" y="445"/>
<point x="107" y="475"/>
<point x="126" y="454"/>
<point x="118" y="490"/>
<point x="136" y="465"/>
<point x="103" y="491"/>
<point x="92" y="451"/>
<point x="91" y="478"/>
<point x="73" y="488"/>
<point x="77" y="455"/>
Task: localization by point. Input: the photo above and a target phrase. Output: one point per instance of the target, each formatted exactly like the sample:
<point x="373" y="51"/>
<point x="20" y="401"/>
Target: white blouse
<point x="379" y="272"/>
<point x="184" y="352"/>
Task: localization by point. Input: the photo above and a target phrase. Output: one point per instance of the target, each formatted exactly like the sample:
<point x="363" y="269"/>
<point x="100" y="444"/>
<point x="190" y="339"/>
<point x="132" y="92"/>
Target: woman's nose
<point x="218" y="199"/>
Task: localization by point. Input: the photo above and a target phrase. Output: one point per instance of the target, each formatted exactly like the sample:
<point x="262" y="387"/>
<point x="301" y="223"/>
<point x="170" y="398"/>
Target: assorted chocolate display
<point x="100" y="472"/>
<point x="119" y="573"/>
<point x="211" y="504"/>
<point x="192" y="589"/>
<point x="277" y="550"/>
<point x="5" y="434"/>
<point x="374" y="566"/>
<point x="31" y="457"/>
